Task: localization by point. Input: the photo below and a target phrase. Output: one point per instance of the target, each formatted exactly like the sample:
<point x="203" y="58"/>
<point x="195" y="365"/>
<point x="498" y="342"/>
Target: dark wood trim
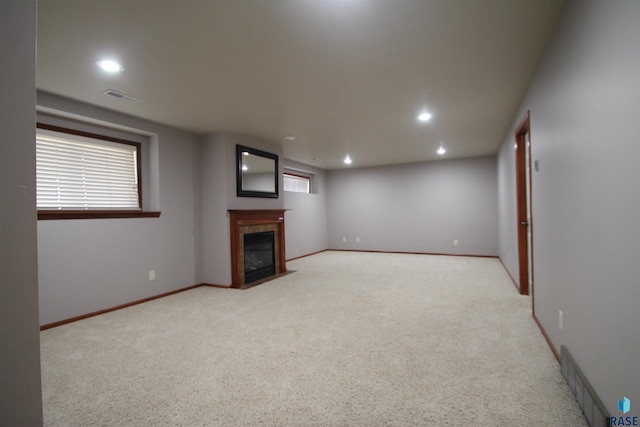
<point x="77" y="132"/>
<point x="521" y="200"/>
<point x="241" y="218"/>
<point x="211" y="285"/>
<point x="547" y="339"/>
<point x="510" y="276"/>
<point x="296" y="174"/>
<point x="139" y="173"/>
<point x="411" y="253"/>
<point x="531" y="222"/>
<point x="85" y="134"/>
<point x="117" y="307"/>
<point x="95" y="214"/>
<point x="304" y="256"/>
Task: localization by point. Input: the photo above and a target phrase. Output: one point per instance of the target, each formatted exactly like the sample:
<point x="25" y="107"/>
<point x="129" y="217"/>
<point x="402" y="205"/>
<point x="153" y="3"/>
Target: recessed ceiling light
<point x="110" y="66"/>
<point x="245" y="153"/>
<point x="290" y="138"/>
<point x="424" y="117"/>
<point x="347" y="160"/>
<point x="441" y="150"/>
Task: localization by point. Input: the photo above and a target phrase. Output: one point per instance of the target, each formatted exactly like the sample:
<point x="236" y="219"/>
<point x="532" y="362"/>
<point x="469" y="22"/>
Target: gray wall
<point x="507" y="207"/>
<point x="584" y="103"/>
<point x="216" y="258"/>
<point x="218" y="191"/>
<point x="306" y="218"/>
<point x="20" y="395"/>
<point x="89" y="265"/>
<point x="421" y="207"/>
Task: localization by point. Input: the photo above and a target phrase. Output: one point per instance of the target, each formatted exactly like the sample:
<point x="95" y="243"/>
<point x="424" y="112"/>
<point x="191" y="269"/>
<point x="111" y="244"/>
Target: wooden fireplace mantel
<point x="250" y="221"/>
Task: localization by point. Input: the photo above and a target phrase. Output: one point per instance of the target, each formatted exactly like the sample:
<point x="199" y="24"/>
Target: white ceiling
<point x="341" y="75"/>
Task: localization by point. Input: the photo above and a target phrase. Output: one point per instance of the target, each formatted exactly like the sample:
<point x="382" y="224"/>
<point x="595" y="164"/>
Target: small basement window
<point x="297" y="183"/>
<point x="85" y="175"/>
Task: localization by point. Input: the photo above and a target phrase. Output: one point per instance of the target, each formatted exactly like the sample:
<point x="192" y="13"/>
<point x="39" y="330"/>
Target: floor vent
<point x="591" y="405"/>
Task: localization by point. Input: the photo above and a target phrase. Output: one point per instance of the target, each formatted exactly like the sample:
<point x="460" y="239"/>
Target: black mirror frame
<point x="240" y="192"/>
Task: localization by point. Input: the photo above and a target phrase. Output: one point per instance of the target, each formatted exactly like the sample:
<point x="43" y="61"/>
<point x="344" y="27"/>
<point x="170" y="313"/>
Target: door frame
<point x="522" y="199"/>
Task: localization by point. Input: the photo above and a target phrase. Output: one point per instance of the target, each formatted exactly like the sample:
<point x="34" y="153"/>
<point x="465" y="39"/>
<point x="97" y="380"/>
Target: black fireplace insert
<point x="259" y="256"/>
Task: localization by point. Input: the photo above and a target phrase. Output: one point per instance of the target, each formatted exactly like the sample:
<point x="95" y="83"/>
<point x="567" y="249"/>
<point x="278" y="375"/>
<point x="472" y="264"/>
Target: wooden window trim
<point x="298" y="174"/>
<point x="95" y="214"/>
<point x="46" y="214"/>
<point x="301" y="175"/>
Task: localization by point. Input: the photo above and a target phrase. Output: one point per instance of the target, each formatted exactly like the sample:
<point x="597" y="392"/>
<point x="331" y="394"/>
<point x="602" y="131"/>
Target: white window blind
<point x="296" y="183"/>
<point x="82" y="173"/>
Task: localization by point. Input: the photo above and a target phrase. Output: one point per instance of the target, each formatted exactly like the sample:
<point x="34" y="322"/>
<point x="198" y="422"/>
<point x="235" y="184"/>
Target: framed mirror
<point x="257" y="173"/>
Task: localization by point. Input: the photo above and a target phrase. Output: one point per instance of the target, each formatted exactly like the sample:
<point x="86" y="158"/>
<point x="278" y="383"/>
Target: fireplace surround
<point x="250" y="222"/>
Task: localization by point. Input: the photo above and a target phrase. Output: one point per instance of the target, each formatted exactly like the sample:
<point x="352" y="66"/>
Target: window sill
<point x="95" y="214"/>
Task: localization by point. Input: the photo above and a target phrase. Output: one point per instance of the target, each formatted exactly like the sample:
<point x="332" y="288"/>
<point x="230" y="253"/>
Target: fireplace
<point x="262" y="233"/>
<point x="259" y="256"/>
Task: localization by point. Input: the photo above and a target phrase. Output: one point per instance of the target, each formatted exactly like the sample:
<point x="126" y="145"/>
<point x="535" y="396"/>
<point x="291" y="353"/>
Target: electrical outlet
<point x="455" y="243"/>
<point x="561" y="320"/>
<point x="344" y="240"/>
<point x="357" y="240"/>
<point x="152" y="275"/>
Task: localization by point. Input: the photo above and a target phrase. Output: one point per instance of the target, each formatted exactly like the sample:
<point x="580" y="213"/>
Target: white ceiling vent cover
<point x="121" y="95"/>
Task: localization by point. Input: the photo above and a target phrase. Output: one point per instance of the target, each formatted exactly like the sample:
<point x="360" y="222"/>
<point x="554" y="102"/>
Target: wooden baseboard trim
<point x="547" y="339"/>
<point x="304" y="256"/>
<point x="212" y="285"/>
<point x="510" y="276"/>
<point x="121" y="306"/>
<point x="411" y="253"/>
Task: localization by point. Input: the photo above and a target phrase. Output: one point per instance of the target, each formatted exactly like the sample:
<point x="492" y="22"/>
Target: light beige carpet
<point x="350" y="339"/>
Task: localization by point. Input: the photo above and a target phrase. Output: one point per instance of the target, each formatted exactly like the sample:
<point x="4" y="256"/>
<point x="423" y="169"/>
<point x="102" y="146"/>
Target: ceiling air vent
<point x="120" y="95"/>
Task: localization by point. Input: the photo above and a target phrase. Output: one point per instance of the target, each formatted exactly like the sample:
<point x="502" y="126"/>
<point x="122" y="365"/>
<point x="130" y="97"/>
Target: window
<point x="85" y="175"/>
<point x="297" y="183"/>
